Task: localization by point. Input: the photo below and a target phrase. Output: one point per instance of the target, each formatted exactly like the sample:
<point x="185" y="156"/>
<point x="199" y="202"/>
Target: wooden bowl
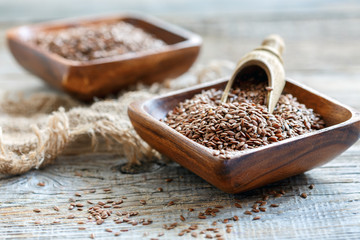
<point x="256" y="167"/>
<point x="99" y="77"/>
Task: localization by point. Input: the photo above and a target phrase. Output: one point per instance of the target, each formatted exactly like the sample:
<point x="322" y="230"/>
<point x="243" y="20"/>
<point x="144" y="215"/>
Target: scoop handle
<point x="275" y="44"/>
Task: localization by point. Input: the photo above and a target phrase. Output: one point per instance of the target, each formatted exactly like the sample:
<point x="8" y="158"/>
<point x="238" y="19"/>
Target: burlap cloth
<point x="35" y="130"/>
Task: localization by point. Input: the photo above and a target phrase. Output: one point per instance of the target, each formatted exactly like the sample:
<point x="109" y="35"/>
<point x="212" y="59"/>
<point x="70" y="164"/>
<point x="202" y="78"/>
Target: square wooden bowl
<point x="99" y="77"/>
<point x="256" y="167"/>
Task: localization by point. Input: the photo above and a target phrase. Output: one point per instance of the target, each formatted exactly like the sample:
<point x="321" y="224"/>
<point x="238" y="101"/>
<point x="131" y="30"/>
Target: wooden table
<point x="323" y="51"/>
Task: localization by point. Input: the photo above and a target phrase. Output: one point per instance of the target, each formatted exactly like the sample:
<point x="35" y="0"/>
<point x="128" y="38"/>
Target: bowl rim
<point x="190" y="39"/>
<point x="355" y="117"/>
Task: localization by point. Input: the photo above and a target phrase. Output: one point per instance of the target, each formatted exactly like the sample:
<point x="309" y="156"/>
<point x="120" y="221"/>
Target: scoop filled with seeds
<point x="243" y="122"/>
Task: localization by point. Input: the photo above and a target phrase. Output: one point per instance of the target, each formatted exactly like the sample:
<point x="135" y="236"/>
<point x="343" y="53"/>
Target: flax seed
<point x="41" y="184"/>
<point x="303" y="195"/>
<point x="208" y="236"/>
<point x="71" y="217"/>
<point x="108" y="230"/>
<point x="168" y="180"/>
<point x="182" y="218"/>
<point x="228" y="230"/>
<point x="207" y="121"/>
<point x="56" y="208"/>
<point x="142" y="202"/>
<point x="171" y="203"/>
<point x="78" y="194"/>
<point x="82" y="228"/>
<point x="274" y="205"/>
<point x="92" y="236"/>
<point x="117" y="234"/>
<point x="202" y="217"/>
<point x="36" y="210"/>
<point x="312" y="186"/>
<point x="247" y="213"/>
<point x="194" y="234"/>
<point x="256" y="218"/>
<point x="238" y="205"/>
<point x="160" y="189"/>
<point x="236" y="218"/>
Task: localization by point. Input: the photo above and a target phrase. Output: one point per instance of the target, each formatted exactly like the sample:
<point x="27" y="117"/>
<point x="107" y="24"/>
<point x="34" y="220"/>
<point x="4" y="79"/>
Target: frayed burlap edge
<point x="104" y="120"/>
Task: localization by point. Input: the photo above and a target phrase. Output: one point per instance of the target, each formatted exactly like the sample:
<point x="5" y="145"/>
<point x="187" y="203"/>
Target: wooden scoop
<point x="263" y="62"/>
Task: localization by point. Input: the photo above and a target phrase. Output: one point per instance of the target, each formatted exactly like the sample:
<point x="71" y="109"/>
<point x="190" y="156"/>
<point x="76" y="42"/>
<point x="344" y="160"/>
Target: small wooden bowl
<point x="256" y="167"/>
<point x="99" y="77"/>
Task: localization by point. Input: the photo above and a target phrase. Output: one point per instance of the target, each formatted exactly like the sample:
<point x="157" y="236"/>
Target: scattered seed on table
<point x="208" y="236"/>
<point x="108" y="230"/>
<point x="168" y="180"/>
<point x="37" y="222"/>
<point x="277" y="195"/>
<point x="228" y="230"/>
<point x="181" y="234"/>
<point x="143" y="202"/>
<point x="92" y="191"/>
<point x="247" y="213"/>
<point x="161" y="234"/>
<point x="312" y="186"/>
<point x="225" y="220"/>
<point x="160" y="189"/>
<point x="236" y="218"/>
<point x="171" y="203"/>
<point x="79" y="205"/>
<point x="36" y="210"/>
<point x="274" y="205"/>
<point x="89" y="202"/>
<point x="219" y="206"/>
<point x="238" y="205"/>
<point x="191" y="209"/>
<point x="82" y="228"/>
<point x="78" y="194"/>
<point x="56" y="222"/>
<point x="41" y="184"/>
<point x="262" y="209"/>
<point x="107" y="190"/>
<point x="81" y="222"/>
<point x="255" y="210"/>
<point x="71" y="200"/>
<point x="194" y="234"/>
<point x="256" y="218"/>
<point x="92" y="236"/>
<point x="202" y="217"/>
<point x="56" y="208"/>
<point x="117" y="234"/>
<point x="282" y="191"/>
<point x="182" y="218"/>
<point x="303" y="195"/>
<point x="71" y="217"/>
<point x="266" y="197"/>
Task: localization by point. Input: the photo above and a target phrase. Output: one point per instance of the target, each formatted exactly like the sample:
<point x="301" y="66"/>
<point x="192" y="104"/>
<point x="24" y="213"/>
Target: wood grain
<point x="322" y="52"/>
